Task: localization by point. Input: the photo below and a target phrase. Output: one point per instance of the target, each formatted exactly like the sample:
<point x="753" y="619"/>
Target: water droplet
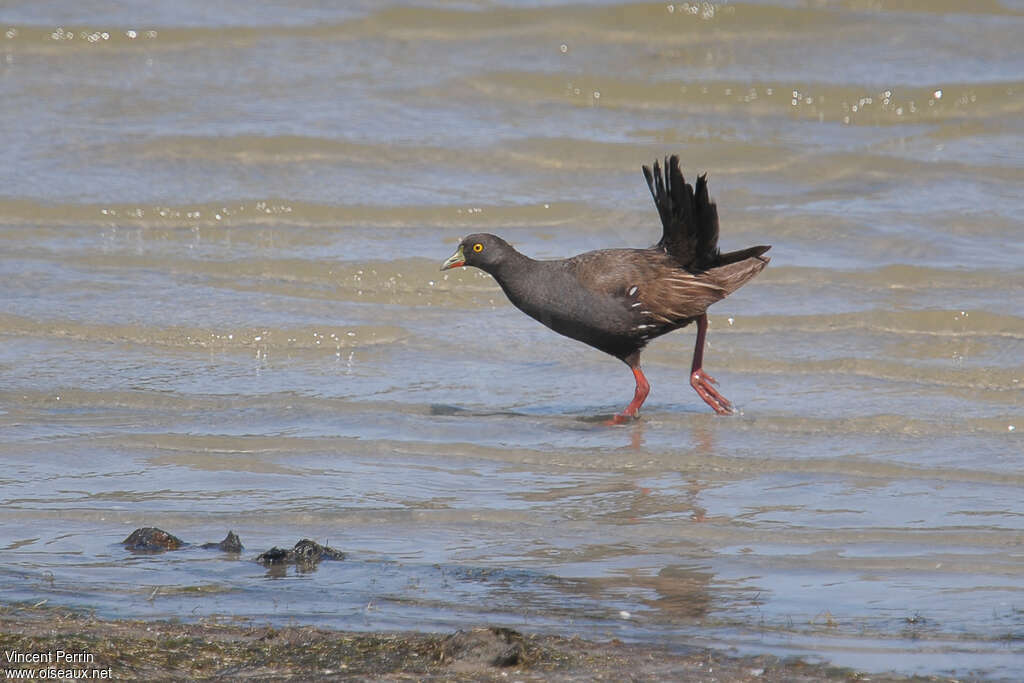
<point x="564" y="48"/>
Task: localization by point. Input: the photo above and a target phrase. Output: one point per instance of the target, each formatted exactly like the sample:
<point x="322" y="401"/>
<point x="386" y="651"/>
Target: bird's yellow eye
<point x="478" y="247"/>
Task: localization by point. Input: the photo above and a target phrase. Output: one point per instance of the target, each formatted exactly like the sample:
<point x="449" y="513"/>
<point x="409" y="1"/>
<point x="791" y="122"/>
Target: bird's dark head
<point x="482" y="250"/>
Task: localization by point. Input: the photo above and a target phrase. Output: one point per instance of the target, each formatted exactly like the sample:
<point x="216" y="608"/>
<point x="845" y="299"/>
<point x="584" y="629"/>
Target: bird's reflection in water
<point x="636" y="434"/>
<point x="672" y="594"/>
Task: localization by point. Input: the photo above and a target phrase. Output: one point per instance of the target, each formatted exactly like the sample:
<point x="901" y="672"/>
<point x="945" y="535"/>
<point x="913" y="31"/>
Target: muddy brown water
<point x="220" y="308"/>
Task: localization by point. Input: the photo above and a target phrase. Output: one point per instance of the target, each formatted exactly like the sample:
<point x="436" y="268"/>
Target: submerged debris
<point x="231" y="544"/>
<point x="150" y="538"/>
<point x="306" y="554"/>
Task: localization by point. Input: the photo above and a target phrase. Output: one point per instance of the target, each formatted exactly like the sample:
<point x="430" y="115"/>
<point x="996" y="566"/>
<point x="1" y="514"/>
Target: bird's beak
<point x="455" y="260"/>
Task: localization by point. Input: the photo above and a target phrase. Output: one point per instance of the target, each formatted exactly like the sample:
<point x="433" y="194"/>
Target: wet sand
<point x="165" y="650"/>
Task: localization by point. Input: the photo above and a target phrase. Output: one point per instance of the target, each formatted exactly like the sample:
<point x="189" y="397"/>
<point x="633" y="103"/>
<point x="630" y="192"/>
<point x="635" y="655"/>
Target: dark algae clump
<point x="501" y="647"/>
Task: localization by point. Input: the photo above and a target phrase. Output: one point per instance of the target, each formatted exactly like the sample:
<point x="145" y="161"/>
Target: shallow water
<point x="220" y="232"/>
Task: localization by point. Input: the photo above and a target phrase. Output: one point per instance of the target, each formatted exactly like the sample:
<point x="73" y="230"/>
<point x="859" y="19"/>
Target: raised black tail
<point x="741" y="255"/>
<point x="688" y="217"/>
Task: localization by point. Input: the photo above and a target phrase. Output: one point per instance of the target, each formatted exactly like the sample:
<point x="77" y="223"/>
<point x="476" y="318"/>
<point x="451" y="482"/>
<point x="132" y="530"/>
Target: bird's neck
<point x="513" y="273"/>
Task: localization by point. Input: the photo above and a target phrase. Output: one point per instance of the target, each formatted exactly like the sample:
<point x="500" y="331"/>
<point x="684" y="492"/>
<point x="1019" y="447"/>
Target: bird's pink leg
<point x="642" y="389"/>
<point x="700" y="380"/>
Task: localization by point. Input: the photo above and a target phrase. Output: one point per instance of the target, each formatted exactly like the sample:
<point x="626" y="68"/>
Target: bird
<point x="618" y="300"/>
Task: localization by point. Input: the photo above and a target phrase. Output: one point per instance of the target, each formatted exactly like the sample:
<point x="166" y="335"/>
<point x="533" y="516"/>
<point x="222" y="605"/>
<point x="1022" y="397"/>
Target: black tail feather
<point x="706" y="222"/>
<point x="689" y="218"/>
<point x="741" y="254"/>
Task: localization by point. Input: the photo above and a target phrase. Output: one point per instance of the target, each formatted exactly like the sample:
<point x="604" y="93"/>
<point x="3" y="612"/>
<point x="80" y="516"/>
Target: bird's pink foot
<point x="620" y="418"/>
<point x="703" y="383"/>
<point x="632" y="411"/>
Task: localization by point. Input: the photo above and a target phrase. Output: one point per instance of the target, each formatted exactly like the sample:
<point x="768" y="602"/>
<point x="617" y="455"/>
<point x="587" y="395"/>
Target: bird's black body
<point x="617" y="300"/>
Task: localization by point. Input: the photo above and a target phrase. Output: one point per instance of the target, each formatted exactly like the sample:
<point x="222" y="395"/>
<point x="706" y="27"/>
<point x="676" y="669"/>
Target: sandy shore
<point x="65" y="640"/>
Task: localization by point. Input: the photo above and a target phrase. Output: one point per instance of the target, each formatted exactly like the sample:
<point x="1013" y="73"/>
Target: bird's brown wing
<point x="647" y="282"/>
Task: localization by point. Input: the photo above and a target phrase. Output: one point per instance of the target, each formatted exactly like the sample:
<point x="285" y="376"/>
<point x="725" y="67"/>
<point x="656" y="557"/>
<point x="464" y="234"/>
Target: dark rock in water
<point x="306" y="553"/>
<point x="491" y="646"/>
<point x="152" y="539"/>
<point x="311" y="551"/>
<point x="231" y="544"/>
<point x="273" y="556"/>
